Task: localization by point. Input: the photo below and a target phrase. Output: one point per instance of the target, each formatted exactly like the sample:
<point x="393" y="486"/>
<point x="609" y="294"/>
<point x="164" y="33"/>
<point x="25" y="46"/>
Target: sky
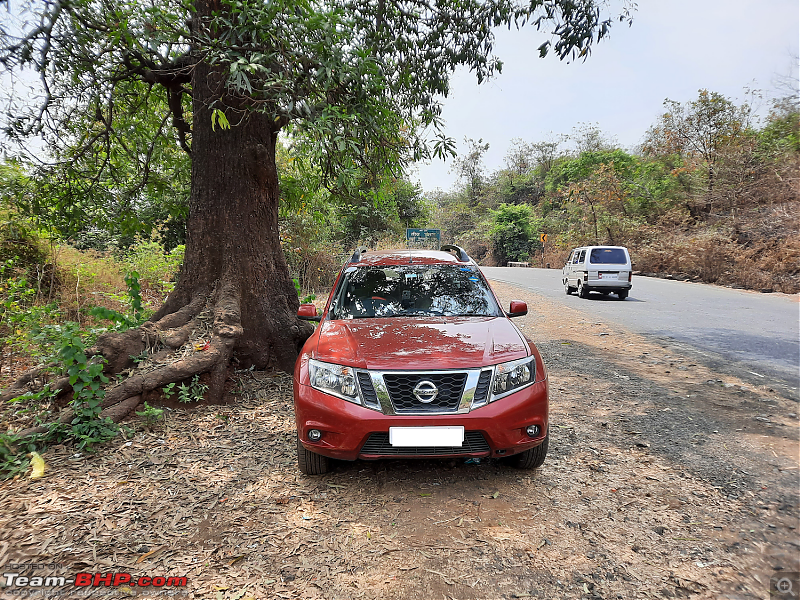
<point x="673" y="49"/>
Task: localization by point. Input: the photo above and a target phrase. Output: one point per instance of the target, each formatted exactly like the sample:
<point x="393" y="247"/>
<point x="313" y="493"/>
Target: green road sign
<point x="423" y="236"/>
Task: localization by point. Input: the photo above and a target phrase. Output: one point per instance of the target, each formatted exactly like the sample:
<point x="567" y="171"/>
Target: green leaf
<point x="217" y="116"/>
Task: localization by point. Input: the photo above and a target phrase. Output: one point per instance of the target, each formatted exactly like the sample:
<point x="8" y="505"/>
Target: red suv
<point x="413" y="358"/>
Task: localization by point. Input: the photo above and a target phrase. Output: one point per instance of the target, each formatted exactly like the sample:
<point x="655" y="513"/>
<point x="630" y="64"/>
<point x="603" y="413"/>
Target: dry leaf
<point x="148" y="554"/>
<point x="37" y="462"/>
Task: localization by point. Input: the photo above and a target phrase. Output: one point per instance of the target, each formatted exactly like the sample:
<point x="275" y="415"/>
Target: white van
<point x="603" y="269"/>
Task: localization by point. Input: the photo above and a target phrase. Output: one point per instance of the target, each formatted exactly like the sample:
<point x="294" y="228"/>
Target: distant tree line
<point x="708" y="195"/>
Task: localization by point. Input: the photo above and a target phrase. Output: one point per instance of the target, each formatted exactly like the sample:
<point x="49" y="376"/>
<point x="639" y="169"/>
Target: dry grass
<point x="316" y="269"/>
<point x="758" y="249"/>
<point x="87" y="278"/>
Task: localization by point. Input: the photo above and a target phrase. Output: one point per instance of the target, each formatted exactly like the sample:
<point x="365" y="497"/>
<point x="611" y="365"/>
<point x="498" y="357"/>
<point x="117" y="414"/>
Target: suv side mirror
<point x="308" y="312"/>
<point x="517" y="309"/>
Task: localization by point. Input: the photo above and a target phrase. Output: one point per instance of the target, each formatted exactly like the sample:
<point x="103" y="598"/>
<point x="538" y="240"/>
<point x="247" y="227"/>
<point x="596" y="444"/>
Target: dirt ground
<point x="665" y="479"/>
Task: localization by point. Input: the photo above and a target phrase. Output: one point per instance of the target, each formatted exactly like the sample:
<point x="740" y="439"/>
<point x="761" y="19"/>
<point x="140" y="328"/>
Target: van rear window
<point x="608" y="256"/>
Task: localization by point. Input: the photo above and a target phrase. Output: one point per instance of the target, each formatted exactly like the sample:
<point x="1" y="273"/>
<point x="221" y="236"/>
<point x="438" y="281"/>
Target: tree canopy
<point x="357" y="78"/>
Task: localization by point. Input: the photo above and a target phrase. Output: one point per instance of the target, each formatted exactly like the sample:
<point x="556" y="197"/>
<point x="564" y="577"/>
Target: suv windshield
<point x="413" y="290"/>
<point x="608" y="256"/>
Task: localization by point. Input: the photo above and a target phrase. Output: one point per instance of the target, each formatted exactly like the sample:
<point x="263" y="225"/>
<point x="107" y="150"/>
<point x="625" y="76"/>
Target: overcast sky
<point x="673" y="49"/>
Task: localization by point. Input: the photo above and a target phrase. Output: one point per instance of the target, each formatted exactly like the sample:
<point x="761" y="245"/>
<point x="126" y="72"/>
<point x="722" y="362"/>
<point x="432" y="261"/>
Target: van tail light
<point x="630" y="276"/>
<point x="585" y="276"/>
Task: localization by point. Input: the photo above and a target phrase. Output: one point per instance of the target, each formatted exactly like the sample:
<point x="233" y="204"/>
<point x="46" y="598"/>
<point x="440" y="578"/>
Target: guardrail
<point x="519" y="264"/>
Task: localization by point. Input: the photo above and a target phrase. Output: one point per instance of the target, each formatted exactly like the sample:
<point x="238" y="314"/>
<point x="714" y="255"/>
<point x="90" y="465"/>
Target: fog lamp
<point x="532" y="430"/>
<point x="314" y="435"/>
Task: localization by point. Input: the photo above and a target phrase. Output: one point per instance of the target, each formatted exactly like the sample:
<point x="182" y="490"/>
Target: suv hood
<point x="419" y="342"/>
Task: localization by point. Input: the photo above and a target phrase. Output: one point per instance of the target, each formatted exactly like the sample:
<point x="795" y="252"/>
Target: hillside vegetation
<point x="707" y="196"/>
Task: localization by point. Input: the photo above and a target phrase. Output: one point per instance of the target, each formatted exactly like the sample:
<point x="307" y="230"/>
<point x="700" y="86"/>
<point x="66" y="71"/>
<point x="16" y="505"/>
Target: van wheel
<point x="622" y="294"/>
<point x="568" y="288"/>
<point x="530" y="459"/>
<point x="311" y="463"/>
<point x="582" y="291"/>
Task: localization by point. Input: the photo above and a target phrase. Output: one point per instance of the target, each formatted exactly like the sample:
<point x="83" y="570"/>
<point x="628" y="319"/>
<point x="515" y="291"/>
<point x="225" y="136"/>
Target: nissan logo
<point x="425" y="391"/>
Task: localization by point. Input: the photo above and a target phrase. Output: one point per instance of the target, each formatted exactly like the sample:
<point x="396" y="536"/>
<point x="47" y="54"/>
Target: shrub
<point x="93" y="238"/>
<point x="19" y="242"/>
<point x="314" y="269"/>
<point x="157" y="268"/>
<point x="512" y="232"/>
<point x="86" y="279"/>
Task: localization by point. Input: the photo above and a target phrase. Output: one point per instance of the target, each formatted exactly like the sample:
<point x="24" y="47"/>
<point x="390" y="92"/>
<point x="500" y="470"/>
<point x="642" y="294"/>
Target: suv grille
<point x="401" y="391"/>
<point x="378" y="444"/>
<point x="482" y="390"/>
<point x="367" y="389"/>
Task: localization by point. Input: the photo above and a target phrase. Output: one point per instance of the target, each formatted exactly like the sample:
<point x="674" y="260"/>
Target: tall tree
<point x="699" y="129"/>
<point x="546" y="152"/>
<point x="354" y="78"/>
<point x="589" y="138"/>
<point x="520" y="157"/>
<point x="470" y="168"/>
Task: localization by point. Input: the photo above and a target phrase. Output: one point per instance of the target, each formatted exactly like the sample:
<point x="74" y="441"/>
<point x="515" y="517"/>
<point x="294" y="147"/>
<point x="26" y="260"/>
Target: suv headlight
<point x="512" y="376"/>
<point x="332" y="379"/>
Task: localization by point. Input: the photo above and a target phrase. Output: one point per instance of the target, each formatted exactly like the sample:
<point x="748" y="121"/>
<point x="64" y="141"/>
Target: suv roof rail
<point x="457" y="250"/>
<point x="357" y="254"/>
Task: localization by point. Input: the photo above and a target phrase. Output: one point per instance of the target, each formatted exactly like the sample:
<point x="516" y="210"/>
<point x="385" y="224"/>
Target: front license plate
<point x="406" y="437"/>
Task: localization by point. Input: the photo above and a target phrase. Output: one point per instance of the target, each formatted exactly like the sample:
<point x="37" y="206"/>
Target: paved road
<point x="759" y="332"/>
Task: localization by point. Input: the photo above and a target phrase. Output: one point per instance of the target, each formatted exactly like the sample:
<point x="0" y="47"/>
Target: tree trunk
<point x="594" y="219"/>
<point x="232" y="240"/>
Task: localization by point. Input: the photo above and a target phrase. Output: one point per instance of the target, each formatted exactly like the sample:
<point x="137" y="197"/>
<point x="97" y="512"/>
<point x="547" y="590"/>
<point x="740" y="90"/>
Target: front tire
<point x="532" y="458"/>
<point x="311" y="463"/>
<point x="583" y="292"/>
<point x="568" y="288"/>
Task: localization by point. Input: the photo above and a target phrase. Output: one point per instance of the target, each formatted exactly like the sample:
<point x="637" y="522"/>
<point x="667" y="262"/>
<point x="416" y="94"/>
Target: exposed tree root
<point x="119" y="411"/>
<point x="197" y="339"/>
<point x="28" y="381"/>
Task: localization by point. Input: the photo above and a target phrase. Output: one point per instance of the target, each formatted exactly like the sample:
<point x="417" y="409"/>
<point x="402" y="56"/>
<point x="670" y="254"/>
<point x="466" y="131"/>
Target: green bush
<point x="156" y="268"/>
<point x="512" y="232"/>
<point x="19" y="242"/>
<point x="20" y="316"/>
<point x="93" y="238"/>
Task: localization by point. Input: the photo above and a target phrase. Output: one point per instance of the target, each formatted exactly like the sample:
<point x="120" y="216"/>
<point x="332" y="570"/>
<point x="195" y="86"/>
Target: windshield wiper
<point x="408" y="313"/>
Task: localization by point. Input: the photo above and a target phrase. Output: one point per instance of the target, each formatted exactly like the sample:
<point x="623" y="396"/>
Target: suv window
<point x="577" y="257"/>
<point x="608" y="256"/>
<point x="413" y="290"/>
<point x="582" y="257"/>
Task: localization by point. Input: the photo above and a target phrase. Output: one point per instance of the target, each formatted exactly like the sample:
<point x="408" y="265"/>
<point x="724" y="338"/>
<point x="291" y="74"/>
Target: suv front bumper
<point x="346" y="427"/>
